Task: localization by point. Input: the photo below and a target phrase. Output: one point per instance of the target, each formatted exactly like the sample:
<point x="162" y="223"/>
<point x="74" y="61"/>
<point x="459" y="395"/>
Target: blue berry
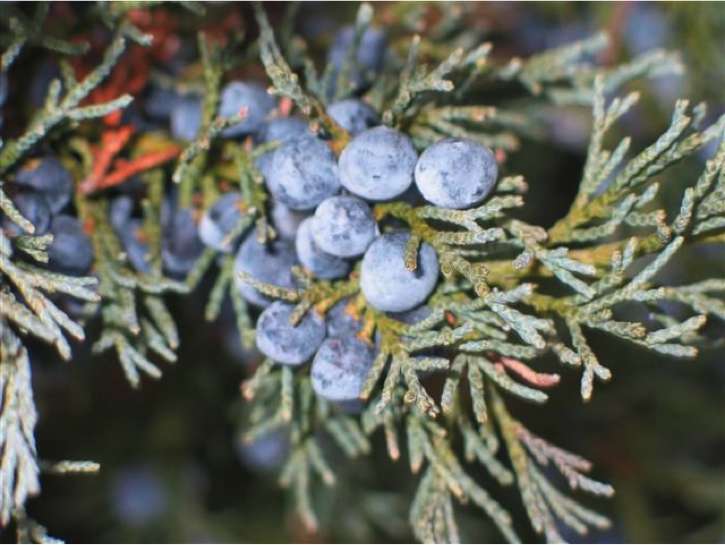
<point x="186" y="118"/>
<point x="33" y="208"/>
<point x="456" y="173"/>
<point x="340" y="368"/>
<point x="385" y="282"/>
<point x="353" y="115"/>
<point x="180" y="245"/>
<point x="49" y="178"/>
<point x="343" y="226"/>
<point x="266" y="452"/>
<point x="281" y="129"/>
<point x="220" y="220"/>
<point x="71" y="251"/>
<point x="139" y="496"/>
<point x="340" y="323"/>
<point x="269" y="263"/>
<point x="318" y="262"/>
<point x="412" y="317"/>
<point x="284" y="343"/>
<point x="237" y="95"/>
<point x="303" y="173"/>
<point x="286" y="222"/>
<point x="160" y="102"/>
<point x="134" y="243"/>
<point x="378" y="164"/>
<point x="369" y="58"/>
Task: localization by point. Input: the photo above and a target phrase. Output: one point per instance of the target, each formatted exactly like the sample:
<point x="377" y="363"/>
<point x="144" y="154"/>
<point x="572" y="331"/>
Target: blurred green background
<point x="172" y="469"/>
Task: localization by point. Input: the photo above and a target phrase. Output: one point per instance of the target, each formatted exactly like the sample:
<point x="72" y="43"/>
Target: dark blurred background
<point x="172" y="466"/>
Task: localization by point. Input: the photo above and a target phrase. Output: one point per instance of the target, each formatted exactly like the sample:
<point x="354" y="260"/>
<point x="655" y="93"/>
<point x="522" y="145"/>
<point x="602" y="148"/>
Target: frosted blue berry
<point x="284" y="343"/>
<point x="340" y="323"/>
<point x="180" y="245"/>
<point x="343" y="226"/>
<point x="340" y="368"/>
<point x="353" y="115"/>
<point x="385" y="282"/>
<point x="33" y="208"/>
<point x="318" y="262"/>
<point x="456" y="173"/>
<point x="71" y="251"/>
<point x="219" y="221"/>
<point x="303" y="173"/>
<point x="285" y="221"/>
<point x="134" y="243"/>
<point x="186" y="118"/>
<point x="251" y="96"/>
<point x="378" y="164"/>
<point x="281" y="129"/>
<point x="270" y="263"/>
<point x="50" y="179"/>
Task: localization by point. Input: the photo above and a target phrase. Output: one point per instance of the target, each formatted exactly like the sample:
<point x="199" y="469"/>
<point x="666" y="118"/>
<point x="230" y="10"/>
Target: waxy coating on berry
<point x="250" y="97"/>
<point x="180" y="244"/>
<point x="339" y="321"/>
<point x="303" y="173"/>
<point x="353" y="115"/>
<point x="456" y="173"/>
<point x="286" y="221"/>
<point x="269" y="263"/>
<point x="34" y="208"/>
<point x="281" y="130"/>
<point x="219" y="221"/>
<point x="321" y="264"/>
<point x="341" y="367"/>
<point x="71" y="251"/>
<point x="50" y="179"/>
<point x="378" y="164"/>
<point x="343" y="226"/>
<point x="284" y="343"/>
<point x="385" y="282"/>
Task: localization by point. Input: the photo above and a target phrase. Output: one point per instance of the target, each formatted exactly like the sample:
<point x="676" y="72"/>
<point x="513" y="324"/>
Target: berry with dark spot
<point x="378" y="164"/>
<point x="456" y="173"/>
